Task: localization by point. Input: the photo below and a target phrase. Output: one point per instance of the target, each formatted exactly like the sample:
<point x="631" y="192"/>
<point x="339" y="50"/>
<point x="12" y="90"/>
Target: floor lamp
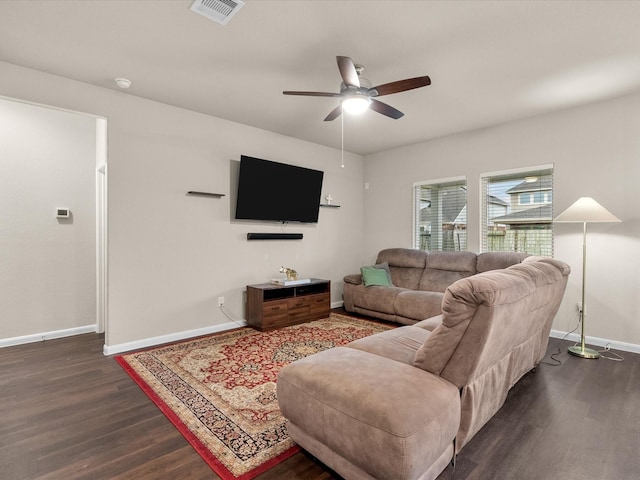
<point x="585" y="210"/>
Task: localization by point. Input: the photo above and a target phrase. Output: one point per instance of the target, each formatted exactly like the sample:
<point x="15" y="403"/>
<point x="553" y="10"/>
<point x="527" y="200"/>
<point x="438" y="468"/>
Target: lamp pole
<point x="582" y="351"/>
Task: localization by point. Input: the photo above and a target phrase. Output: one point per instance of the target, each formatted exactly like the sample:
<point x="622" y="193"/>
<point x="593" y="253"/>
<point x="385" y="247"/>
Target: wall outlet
<point x="579" y="307"/>
<point x="220" y="301"/>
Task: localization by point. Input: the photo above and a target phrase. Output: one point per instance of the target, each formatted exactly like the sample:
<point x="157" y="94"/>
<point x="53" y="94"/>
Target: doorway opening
<point x="53" y="280"/>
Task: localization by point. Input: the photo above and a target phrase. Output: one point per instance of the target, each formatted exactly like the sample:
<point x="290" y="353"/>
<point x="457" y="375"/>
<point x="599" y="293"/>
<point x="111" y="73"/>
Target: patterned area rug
<point x="220" y="390"/>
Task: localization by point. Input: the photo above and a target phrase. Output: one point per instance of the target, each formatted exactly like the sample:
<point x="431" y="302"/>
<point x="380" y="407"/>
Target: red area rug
<point x="220" y="390"/>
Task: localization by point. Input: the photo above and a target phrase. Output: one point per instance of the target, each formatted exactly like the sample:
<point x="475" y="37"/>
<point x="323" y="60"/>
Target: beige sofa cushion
<point x="418" y="305"/>
<point x="395" y="428"/>
<point x="497" y="260"/>
<point x="406" y="266"/>
<point x="444" y="268"/>
<point x="399" y="344"/>
<point x="376" y="298"/>
<point x="430" y="323"/>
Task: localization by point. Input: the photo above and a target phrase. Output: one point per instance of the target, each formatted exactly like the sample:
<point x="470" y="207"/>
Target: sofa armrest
<point x="354" y="279"/>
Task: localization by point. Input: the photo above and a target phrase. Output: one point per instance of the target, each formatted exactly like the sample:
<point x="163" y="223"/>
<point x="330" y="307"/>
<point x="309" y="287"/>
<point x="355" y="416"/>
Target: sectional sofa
<point x="419" y="280"/>
<point x="401" y="404"/>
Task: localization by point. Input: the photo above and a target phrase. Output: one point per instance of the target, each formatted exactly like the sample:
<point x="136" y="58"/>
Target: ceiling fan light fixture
<point x="356" y="103"/>
<point x="356" y="93"/>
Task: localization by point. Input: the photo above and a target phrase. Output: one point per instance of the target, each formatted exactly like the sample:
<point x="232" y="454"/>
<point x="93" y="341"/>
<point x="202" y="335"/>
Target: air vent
<point x="219" y="11"/>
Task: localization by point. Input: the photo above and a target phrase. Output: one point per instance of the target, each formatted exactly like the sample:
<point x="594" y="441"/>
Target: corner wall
<point x="596" y="152"/>
<point x="172" y="255"/>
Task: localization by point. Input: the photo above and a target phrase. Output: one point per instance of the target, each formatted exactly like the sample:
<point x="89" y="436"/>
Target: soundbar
<point x="274" y="236"/>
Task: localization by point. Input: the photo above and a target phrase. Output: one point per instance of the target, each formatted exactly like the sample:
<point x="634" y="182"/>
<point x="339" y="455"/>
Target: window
<point x="517" y="211"/>
<point x="534" y="197"/>
<point x="440" y="215"/>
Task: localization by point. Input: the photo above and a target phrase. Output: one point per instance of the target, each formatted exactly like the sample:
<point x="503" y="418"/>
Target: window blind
<point x="517" y="211"/>
<point x="440" y="220"/>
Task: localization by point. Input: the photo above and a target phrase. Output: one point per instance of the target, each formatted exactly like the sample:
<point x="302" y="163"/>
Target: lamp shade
<point x="586" y="209"/>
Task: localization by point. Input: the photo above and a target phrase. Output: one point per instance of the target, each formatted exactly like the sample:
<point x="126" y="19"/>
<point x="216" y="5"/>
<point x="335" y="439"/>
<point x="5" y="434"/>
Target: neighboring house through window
<point x="440" y="215"/>
<point x="517" y="211"/>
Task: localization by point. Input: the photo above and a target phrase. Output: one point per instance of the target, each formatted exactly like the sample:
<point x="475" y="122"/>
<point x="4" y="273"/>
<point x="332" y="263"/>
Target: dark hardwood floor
<point x="68" y="412"/>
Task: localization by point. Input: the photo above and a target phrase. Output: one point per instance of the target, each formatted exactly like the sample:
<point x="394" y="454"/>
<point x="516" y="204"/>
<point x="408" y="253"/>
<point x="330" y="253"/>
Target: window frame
<point x="535" y="170"/>
<point x="415" y="237"/>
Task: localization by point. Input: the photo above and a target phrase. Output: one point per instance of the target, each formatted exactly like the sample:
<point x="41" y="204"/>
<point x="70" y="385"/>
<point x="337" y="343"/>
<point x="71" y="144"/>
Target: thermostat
<point x="63" y="213"/>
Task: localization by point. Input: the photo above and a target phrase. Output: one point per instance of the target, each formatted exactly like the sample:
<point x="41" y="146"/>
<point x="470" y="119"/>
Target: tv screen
<point x="277" y="192"/>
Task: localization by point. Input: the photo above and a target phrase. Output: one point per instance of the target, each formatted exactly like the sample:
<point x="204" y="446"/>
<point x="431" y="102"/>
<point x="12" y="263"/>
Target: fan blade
<point x="311" y="94"/>
<point x="348" y="72"/>
<point x="335" y="113"/>
<point x="384" y="109"/>
<point x="399" y="86"/>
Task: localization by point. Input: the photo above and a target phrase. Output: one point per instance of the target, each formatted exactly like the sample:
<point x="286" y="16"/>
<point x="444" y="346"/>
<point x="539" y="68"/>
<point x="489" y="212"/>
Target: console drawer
<point x="275" y="308"/>
<point x="298" y="302"/>
<point x="298" y="308"/>
<point x="276" y="321"/>
<point x="319" y="304"/>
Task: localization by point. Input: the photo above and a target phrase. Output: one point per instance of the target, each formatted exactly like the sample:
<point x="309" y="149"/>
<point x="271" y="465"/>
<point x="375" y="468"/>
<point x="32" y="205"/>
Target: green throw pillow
<point x="385" y="267"/>
<point x="374" y="276"/>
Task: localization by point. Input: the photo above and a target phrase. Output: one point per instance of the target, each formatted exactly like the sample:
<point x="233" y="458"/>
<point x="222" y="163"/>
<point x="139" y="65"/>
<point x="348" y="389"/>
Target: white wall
<point x="172" y="255"/>
<point x="47" y="265"/>
<point x="596" y="152"/>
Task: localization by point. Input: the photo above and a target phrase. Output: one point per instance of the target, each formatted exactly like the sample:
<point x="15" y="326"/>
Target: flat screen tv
<point x="279" y="192"/>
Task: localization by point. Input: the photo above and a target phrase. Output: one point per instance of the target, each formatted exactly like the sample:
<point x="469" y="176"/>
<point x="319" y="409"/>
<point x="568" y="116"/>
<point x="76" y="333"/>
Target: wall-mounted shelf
<point x="206" y="194"/>
<point x="326" y="205"/>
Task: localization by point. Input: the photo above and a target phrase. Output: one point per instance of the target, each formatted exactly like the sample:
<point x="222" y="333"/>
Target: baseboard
<point x="173" y="337"/>
<point x="40" y="337"/>
<point x="596" y="341"/>
<point x="176" y="337"/>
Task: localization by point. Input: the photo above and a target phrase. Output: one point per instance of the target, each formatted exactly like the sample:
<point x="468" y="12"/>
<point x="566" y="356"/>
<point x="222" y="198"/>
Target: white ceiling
<point x="489" y="61"/>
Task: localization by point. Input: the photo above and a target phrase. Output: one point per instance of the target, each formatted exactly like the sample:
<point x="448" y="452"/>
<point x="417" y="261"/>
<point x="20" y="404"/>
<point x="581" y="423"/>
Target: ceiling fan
<point x="357" y="96"/>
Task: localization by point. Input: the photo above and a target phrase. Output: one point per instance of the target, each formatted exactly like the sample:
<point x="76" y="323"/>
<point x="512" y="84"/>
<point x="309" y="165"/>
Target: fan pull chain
<point x="342" y="138"/>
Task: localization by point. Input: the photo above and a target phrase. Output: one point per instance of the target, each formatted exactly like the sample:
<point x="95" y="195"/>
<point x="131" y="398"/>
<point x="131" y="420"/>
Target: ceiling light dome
<point x="123" y="82"/>
<point x="356" y="103"/>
